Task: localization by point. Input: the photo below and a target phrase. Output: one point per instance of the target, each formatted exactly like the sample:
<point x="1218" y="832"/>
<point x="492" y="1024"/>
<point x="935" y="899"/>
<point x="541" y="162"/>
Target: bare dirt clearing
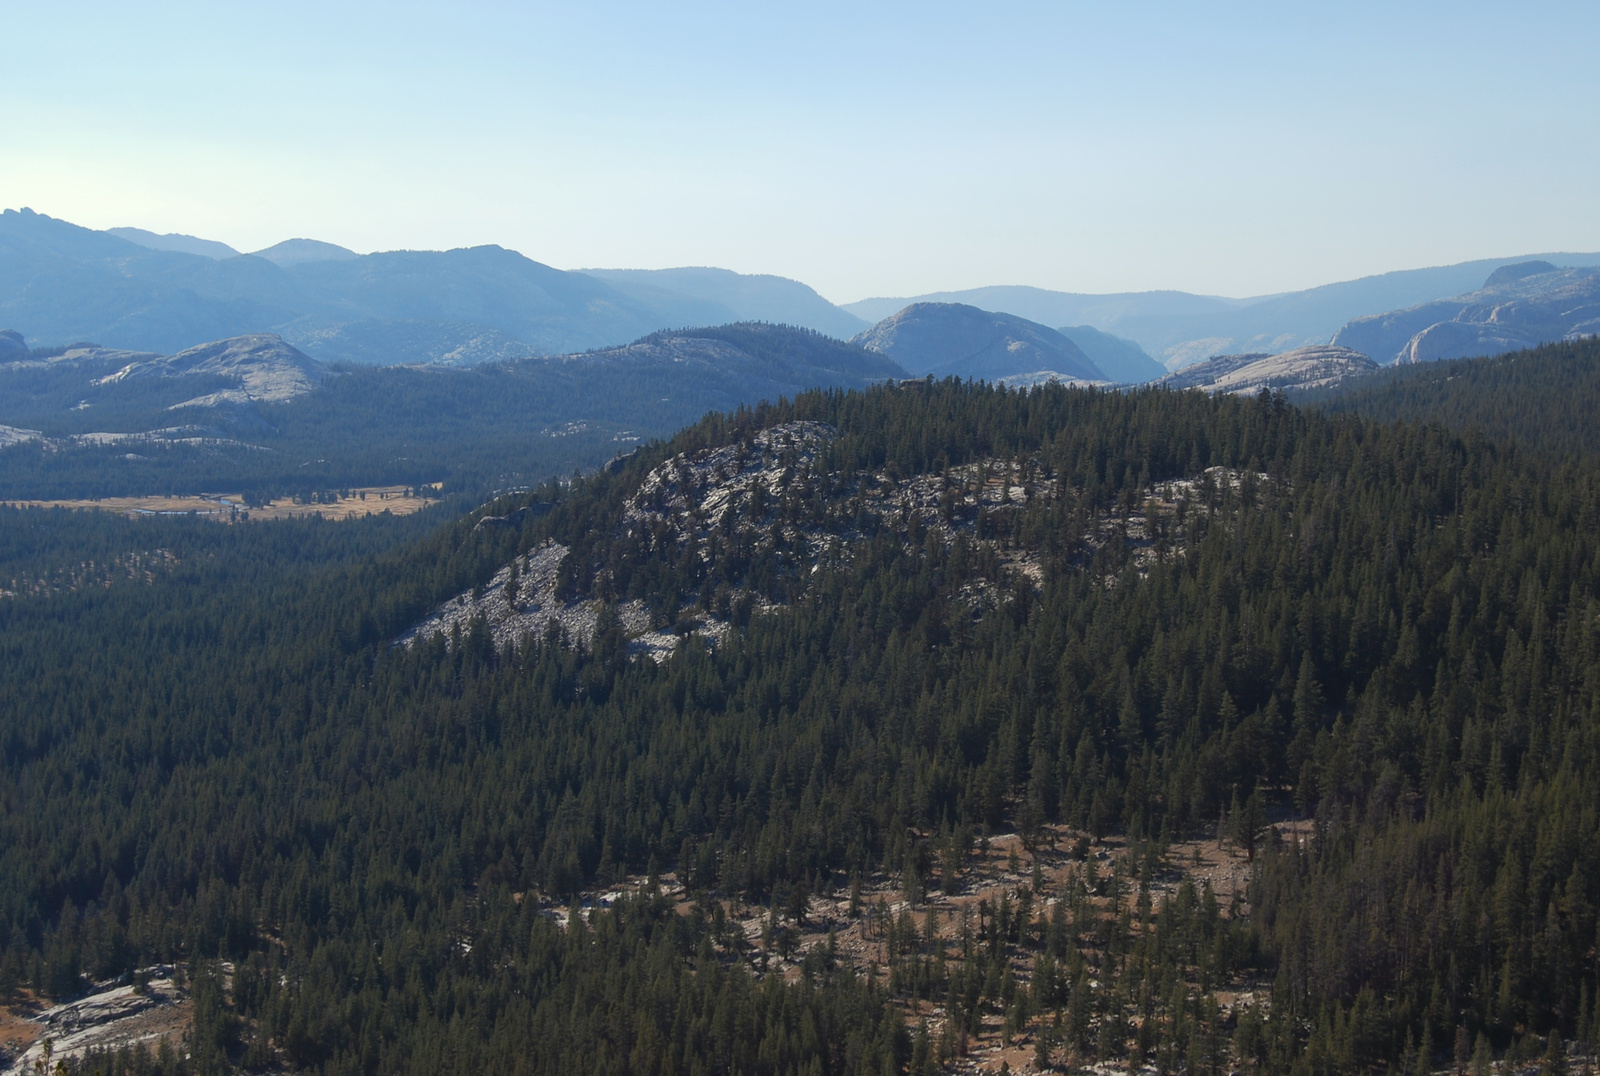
<point x="17" y="1027"/>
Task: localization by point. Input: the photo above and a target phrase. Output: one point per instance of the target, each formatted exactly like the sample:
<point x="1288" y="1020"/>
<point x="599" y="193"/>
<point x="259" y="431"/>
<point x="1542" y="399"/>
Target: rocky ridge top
<point x="1303" y="368"/>
<point x="746" y="502"/>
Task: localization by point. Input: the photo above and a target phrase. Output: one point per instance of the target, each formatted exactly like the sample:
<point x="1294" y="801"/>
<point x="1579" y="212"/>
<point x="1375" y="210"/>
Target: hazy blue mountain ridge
<point x="1298" y="319"/>
<point x="1121" y="360"/>
<point x="1055" y="307"/>
<point x="547" y="308"/>
<point x="299" y="251"/>
<point x="185" y="244"/>
<point x="1510" y="274"/>
<point x="747" y="297"/>
<point x="61" y="283"/>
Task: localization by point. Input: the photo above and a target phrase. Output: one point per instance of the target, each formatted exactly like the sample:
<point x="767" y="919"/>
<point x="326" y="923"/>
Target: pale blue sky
<point x="867" y="149"/>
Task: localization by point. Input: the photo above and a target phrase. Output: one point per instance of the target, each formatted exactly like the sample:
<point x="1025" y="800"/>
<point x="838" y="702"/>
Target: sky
<point x="866" y="149"/>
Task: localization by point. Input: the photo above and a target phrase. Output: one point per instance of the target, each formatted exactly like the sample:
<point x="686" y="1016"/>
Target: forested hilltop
<point x="898" y="628"/>
<point x="1542" y="398"/>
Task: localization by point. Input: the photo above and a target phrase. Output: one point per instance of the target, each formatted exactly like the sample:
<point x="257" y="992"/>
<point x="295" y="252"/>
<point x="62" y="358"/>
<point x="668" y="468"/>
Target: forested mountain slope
<point x="98" y="423"/>
<point x="1543" y="398"/>
<point x="962" y="611"/>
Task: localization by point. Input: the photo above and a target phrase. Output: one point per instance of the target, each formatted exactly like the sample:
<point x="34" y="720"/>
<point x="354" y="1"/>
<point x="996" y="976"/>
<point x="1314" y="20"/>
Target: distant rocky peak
<point x="263" y="368"/>
<point x="1510" y="274"/>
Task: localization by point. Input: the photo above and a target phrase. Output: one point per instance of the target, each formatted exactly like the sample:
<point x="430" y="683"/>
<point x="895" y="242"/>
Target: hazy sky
<point x="867" y="149"/>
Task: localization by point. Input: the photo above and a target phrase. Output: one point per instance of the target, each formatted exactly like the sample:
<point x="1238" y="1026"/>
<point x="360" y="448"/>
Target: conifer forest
<point x="910" y="729"/>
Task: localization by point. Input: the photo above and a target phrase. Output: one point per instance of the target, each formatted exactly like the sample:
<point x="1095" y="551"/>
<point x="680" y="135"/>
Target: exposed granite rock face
<point x="732" y="497"/>
<point x="1383" y="335"/>
<point x="1460" y="339"/>
<point x="265" y="368"/>
<point x="113" y="1017"/>
<point x="953" y="339"/>
<point x="1519" y="306"/>
<point x="1302" y="368"/>
<point x="680" y="498"/>
<point x="520" y="600"/>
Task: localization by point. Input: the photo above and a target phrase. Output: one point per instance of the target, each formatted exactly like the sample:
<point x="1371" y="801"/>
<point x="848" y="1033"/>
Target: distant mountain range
<point x="284" y="254"/>
<point x="138" y="290"/>
<point x="1518" y="307"/>
<point x="1179" y="328"/>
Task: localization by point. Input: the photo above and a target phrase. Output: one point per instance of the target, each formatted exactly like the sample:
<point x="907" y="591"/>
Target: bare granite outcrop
<point x="1303" y="368"/>
<point x="153" y="1008"/>
<point x="264" y="368"/>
